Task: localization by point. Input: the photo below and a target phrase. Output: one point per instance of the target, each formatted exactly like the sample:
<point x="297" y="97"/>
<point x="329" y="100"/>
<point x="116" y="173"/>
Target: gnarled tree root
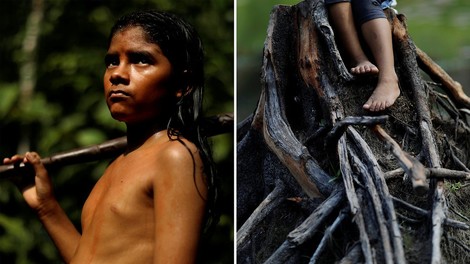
<point x="307" y="139"/>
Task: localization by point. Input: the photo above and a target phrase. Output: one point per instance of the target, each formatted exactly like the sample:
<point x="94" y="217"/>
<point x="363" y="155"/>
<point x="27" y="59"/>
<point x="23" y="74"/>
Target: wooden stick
<point x="305" y="231"/>
<point x="448" y="174"/>
<point x="407" y="51"/>
<point x="437" y="74"/>
<point x="354" y="255"/>
<point x="458" y="242"/>
<point x="343" y="214"/>
<point x="437" y="173"/>
<point x="211" y="126"/>
<point x="376" y="202"/>
<point x="104" y="150"/>
<point x="410" y="165"/>
<point x="261" y="212"/>
<point x="314" y="222"/>
<point x="340" y="127"/>
<point x="422" y="212"/>
<point x="375" y="183"/>
<point x="355" y="205"/>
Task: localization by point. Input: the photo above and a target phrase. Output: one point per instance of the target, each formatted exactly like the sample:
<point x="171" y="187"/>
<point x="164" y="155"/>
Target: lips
<point x="117" y="95"/>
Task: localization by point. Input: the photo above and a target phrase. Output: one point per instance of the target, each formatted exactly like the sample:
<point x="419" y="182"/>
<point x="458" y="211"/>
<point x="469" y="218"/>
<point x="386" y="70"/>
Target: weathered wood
<point x="422" y="212"/>
<point x="386" y="206"/>
<point x="407" y="50"/>
<point x="308" y="228"/>
<point x="353" y="256"/>
<point x="376" y="207"/>
<point x="307" y="103"/>
<point x="264" y="209"/>
<point x="353" y="199"/>
<point x="328" y="236"/>
<point x="410" y="165"/>
<point x="438" y="173"/>
<point x="340" y="127"/>
<point x="456" y="241"/>
<point x="437" y="74"/>
<point x="277" y="133"/>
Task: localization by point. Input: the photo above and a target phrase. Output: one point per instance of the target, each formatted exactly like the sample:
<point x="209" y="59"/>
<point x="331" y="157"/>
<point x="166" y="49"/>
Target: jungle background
<point x="438" y="27"/>
<point x="51" y="100"/>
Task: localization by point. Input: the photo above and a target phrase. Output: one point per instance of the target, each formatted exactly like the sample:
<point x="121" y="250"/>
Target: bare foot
<point x="384" y="95"/>
<point x="364" y="67"/>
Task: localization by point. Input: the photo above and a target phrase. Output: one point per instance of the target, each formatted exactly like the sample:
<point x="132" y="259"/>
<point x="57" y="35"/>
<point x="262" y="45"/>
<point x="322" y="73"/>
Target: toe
<point x="367" y="105"/>
<point x="382" y="106"/>
<point x="378" y="107"/>
<point x="374" y="107"/>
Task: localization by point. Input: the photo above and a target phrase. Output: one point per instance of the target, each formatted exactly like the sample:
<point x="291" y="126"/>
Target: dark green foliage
<point x="67" y="109"/>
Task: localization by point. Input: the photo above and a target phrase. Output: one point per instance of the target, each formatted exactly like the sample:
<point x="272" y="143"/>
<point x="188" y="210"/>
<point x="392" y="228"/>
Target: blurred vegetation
<point x="252" y="23"/>
<point x="67" y="109"/>
<point x="439" y="27"/>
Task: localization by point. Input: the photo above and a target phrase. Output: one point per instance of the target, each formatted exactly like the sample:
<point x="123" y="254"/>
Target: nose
<point x="119" y="75"/>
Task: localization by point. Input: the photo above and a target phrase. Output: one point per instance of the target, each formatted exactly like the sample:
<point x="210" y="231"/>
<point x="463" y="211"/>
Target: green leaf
<point x="9" y="95"/>
<point x="90" y="136"/>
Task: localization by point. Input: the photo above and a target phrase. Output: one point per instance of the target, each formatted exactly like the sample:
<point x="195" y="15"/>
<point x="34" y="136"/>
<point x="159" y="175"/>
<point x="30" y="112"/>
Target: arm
<point x="179" y="207"/>
<point x="40" y="197"/>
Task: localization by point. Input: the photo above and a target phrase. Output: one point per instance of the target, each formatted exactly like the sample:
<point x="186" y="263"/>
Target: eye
<point x="141" y="58"/>
<point x="111" y="60"/>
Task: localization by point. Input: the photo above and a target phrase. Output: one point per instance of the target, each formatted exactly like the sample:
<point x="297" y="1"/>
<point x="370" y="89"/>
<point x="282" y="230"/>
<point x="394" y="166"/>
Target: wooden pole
<point x="211" y="126"/>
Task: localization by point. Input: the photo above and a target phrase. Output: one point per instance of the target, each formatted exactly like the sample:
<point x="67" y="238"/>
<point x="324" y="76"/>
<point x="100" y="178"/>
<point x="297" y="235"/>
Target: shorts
<point x="363" y="10"/>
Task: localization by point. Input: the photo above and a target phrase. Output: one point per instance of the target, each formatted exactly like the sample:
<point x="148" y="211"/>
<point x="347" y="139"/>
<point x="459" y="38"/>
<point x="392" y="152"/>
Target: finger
<point x="35" y="160"/>
<point x="13" y="159"/>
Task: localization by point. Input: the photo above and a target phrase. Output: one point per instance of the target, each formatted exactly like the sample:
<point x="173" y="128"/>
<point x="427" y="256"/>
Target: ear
<point x="179" y="93"/>
<point x="183" y="83"/>
<point x="183" y="91"/>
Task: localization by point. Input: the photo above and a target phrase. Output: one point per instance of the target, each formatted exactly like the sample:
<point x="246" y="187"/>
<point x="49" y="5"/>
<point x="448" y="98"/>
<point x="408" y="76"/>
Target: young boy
<point x="151" y="203"/>
<point x="367" y="15"/>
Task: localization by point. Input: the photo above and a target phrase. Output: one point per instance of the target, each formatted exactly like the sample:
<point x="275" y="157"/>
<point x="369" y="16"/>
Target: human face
<point x="137" y="80"/>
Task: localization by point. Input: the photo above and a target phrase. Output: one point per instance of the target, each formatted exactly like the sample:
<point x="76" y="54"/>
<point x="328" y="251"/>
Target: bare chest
<point x="122" y="195"/>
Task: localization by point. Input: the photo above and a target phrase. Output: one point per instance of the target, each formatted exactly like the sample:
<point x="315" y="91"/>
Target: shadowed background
<point x="51" y="100"/>
<point x="439" y="27"/>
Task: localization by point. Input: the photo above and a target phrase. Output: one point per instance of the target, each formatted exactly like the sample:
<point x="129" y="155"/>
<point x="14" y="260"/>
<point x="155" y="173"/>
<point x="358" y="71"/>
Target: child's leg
<point x="378" y="36"/>
<point x="341" y="18"/>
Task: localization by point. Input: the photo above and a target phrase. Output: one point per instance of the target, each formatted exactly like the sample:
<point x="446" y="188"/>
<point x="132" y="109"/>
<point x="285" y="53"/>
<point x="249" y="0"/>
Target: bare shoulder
<point x="180" y="164"/>
<point x="179" y="152"/>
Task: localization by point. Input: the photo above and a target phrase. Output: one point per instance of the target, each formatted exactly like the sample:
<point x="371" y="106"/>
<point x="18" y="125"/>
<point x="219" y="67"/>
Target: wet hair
<point x="181" y="44"/>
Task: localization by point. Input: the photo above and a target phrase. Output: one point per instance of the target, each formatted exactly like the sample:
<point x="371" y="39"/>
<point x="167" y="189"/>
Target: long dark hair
<point x="181" y="44"/>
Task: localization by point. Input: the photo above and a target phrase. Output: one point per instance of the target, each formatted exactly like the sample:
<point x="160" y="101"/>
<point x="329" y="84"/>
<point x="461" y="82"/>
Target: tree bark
<point x="309" y="141"/>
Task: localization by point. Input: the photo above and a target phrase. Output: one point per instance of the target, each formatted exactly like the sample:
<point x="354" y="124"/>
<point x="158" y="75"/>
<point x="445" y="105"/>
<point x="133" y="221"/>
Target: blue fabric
<point x="365" y="10"/>
<point x="329" y="2"/>
<point x="384" y="3"/>
<point x="388" y="4"/>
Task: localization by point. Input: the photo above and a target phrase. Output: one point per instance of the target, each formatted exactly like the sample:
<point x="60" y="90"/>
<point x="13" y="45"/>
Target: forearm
<point x="61" y="230"/>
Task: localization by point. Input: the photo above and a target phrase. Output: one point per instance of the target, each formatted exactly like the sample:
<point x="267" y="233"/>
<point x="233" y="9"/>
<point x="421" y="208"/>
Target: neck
<point x="137" y="134"/>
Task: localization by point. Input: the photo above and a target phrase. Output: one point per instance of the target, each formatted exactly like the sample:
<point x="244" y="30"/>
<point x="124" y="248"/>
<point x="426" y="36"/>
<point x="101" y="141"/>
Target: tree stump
<point x="320" y="180"/>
